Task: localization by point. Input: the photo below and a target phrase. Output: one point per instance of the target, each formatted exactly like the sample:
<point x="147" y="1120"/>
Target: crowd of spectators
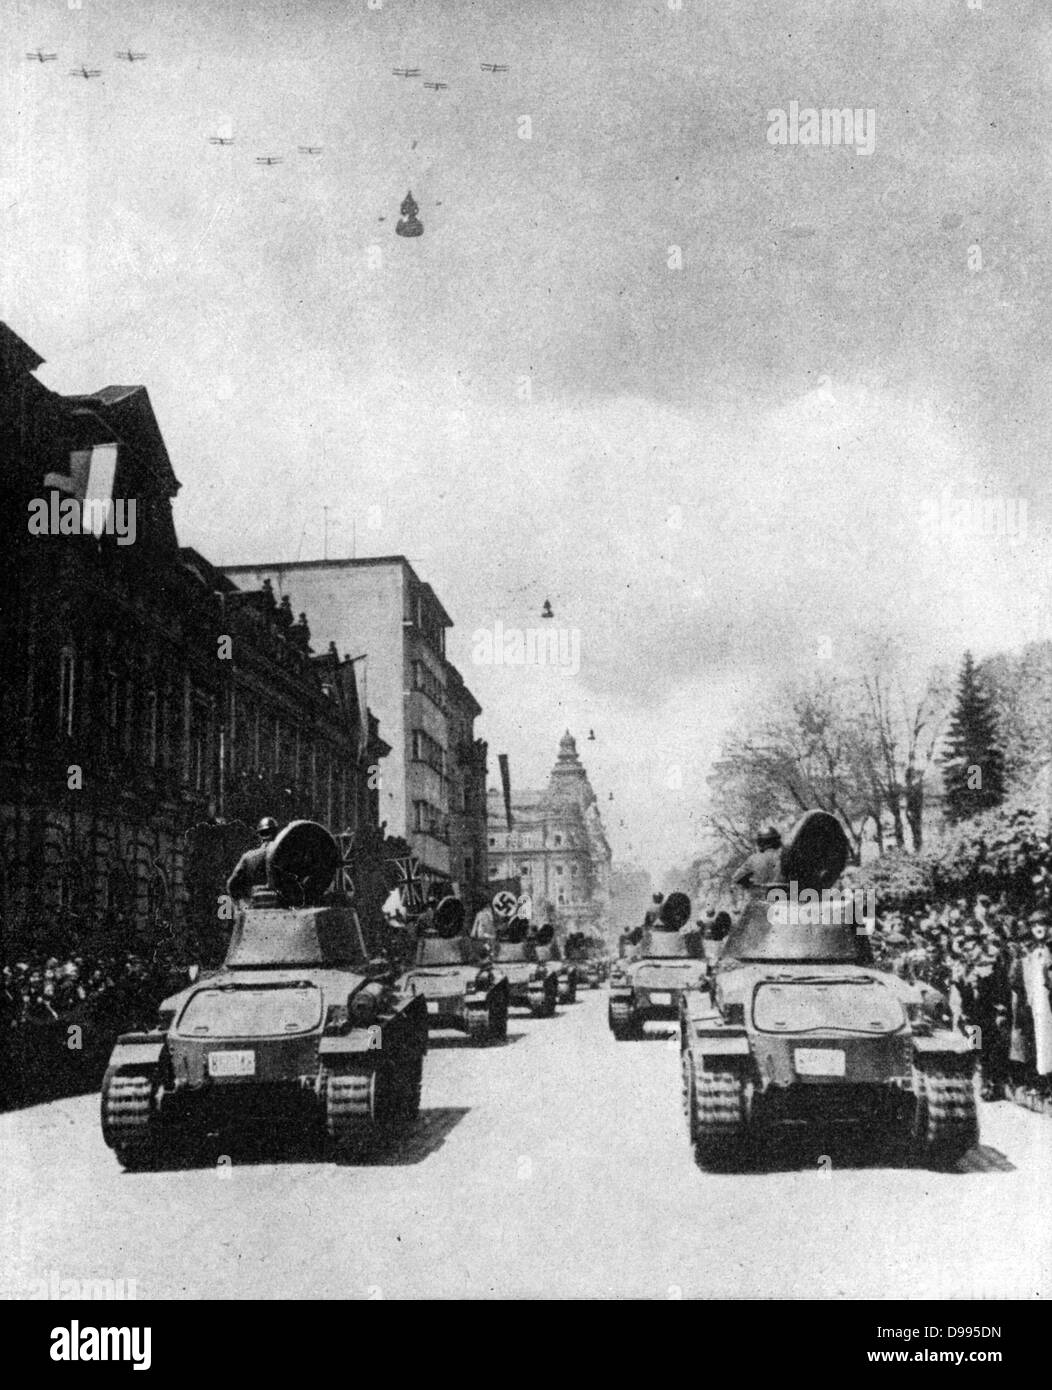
<point x="974" y="922"/>
<point x="995" y="967"/>
<point x="59" y="1015"/>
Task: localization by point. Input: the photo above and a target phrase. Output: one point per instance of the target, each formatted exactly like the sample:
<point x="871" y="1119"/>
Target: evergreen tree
<point x="972" y="763"/>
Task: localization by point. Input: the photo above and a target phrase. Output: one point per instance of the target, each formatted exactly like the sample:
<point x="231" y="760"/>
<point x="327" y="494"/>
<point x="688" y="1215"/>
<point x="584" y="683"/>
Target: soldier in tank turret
<point x="763" y="868"/>
<point x="251" y="869"/>
<point x="653" y="913"/>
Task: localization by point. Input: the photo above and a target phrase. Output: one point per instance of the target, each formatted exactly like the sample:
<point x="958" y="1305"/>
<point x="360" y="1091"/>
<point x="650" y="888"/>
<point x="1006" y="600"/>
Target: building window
<point x="494" y="871"/>
<point x="427" y="683"/>
<point x="428" y="750"/>
<point x="151" y="725"/>
<point x="66" y="690"/>
<point x="558" y="839"/>
<point x="524" y="869"/>
<point x="575" y="869"/>
<point x="559" y="870"/>
<point x="469" y="868"/>
<point x="163" y="740"/>
<point x="562" y="896"/>
<point x="197" y="759"/>
<point x="113" y="700"/>
<point x="200" y="743"/>
<point x="492" y="841"/>
<point x="429" y="820"/>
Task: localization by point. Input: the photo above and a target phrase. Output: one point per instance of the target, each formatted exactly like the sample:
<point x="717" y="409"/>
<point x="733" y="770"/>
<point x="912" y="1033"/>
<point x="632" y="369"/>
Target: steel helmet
<point x="267" y="828"/>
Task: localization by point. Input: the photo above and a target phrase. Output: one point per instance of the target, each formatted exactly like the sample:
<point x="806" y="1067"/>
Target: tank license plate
<point x="660" y="996"/>
<point x="231" y="1064"/>
<point x="432" y="1006"/>
<point x="819" y="1061"/>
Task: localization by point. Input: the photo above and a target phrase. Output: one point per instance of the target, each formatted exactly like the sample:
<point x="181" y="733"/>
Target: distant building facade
<point x="433" y="788"/>
<point x="556" y="846"/>
<point x="147" y="699"/>
<point x="631" y="889"/>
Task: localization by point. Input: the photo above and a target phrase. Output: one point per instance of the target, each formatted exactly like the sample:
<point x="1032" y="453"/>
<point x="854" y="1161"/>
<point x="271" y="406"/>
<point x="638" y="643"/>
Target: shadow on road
<point x="424" y="1138"/>
<point x="248" y="1146"/>
<point x="984" y="1159"/>
<point x="825" y="1154"/>
<point x="451" y="1041"/>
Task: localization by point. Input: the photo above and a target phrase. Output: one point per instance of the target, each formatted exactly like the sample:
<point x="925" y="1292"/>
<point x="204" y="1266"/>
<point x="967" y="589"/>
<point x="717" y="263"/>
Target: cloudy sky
<point x="702" y="392"/>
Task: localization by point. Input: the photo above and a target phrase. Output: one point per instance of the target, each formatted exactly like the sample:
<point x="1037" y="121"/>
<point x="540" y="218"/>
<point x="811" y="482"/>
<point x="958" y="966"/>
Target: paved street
<point x="554" y="1166"/>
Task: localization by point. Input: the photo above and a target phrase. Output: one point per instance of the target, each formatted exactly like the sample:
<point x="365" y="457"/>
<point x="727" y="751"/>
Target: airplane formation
<point x="408" y="225"/>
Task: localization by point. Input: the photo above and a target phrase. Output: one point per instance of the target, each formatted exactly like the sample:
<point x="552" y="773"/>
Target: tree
<point x="800" y="753"/>
<point x="1020" y="689"/>
<point x="900" y="721"/>
<point x="972" y="762"/>
<point x="861" y="746"/>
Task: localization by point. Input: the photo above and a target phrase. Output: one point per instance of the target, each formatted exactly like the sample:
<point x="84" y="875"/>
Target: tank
<point x="531" y="984"/>
<point x="796" y="1027"/>
<point x="460" y="984"/>
<point x="667" y="963"/>
<point x="297" y="1025"/>
<point x="582" y="952"/>
<point x="550" y="955"/>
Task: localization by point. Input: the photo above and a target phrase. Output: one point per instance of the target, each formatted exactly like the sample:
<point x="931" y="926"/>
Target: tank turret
<point x="790" y="922"/>
<point x="288" y="923"/>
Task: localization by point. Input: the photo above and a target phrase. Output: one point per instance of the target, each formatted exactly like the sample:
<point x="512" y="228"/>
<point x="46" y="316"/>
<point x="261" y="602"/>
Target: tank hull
<point x="650" y="990"/>
<point x="778" y="1047"/>
<point x="455" y="999"/>
<point x="276" y="1046"/>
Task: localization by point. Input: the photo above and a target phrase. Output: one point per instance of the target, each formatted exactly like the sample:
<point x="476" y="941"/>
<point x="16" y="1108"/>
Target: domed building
<point x="556" y="846"/>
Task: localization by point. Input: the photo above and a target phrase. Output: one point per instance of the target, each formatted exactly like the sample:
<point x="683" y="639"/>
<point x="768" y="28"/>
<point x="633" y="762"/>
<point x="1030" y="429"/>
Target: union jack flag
<point x="345" y="876"/>
<point x="412" y="880"/>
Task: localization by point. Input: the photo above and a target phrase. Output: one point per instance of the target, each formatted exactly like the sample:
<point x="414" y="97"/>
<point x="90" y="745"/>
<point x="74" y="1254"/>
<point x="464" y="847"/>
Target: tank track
<point x="623" y="1023"/>
<point x="408" y="1088"/>
<point x="716" y="1110"/>
<point x="351" y="1106"/>
<point x="546" y="1008"/>
<point x="365" y="1104"/>
<point x="488" y="1023"/>
<point x="946" y="1124"/>
<point x="478" y="1025"/>
<point x="128" y="1120"/>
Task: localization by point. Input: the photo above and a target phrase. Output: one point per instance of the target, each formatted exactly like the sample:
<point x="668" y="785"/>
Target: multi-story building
<point x="468" y="849"/>
<point x="556" y="846"/>
<point x="150" y="705"/>
<point x="432" y="783"/>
